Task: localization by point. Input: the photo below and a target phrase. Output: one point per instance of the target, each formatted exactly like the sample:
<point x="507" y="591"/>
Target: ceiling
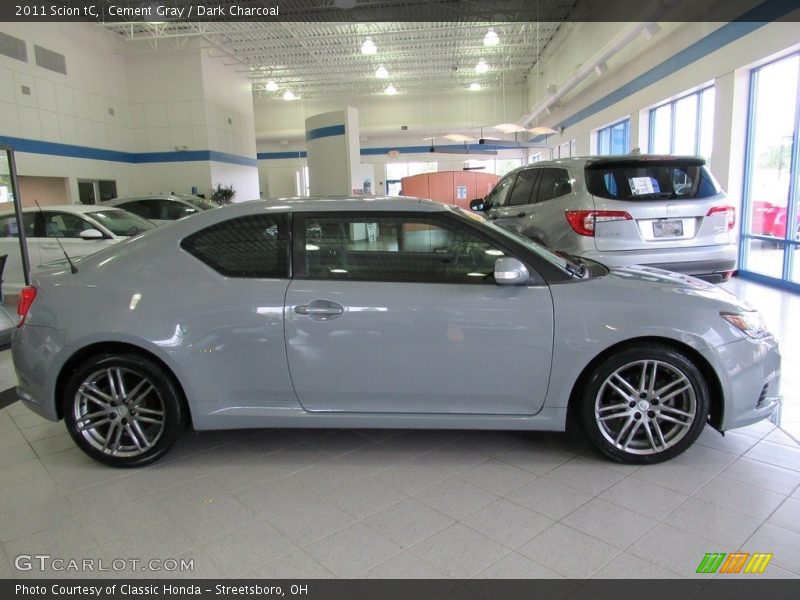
<point x="323" y="58"/>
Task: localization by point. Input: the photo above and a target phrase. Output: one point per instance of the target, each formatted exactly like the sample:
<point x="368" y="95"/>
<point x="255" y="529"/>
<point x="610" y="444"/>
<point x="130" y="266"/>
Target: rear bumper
<point x="703" y="261"/>
<point x="34" y="350"/>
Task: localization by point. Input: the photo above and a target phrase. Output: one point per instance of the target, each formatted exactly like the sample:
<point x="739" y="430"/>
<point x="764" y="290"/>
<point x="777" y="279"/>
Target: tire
<point x="128" y="425"/>
<point x="634" y="421"/>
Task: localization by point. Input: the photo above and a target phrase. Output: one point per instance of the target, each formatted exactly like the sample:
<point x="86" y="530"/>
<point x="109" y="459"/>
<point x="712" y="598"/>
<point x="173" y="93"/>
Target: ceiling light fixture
<point x="368" y="47"/>
<point x="542" y="130"/>
<point x="272" y="86"/>
<point x="381" y="72"/>
<point x="458" y="137"/>
<point x="390" y="90"/>
<point x="474" y="86"/>
<point x="509" y="127"/>
<point x="491" y="38"/>
<point x="289" y="95"/>
<point x="482" y="66"/>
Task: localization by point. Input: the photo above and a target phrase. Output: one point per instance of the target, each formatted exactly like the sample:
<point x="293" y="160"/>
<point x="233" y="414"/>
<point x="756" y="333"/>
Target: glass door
<point x="771" y="223"/>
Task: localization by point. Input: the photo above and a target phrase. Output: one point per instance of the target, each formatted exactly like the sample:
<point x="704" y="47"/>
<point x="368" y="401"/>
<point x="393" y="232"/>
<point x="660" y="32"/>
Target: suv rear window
<point x="650" y="179"/>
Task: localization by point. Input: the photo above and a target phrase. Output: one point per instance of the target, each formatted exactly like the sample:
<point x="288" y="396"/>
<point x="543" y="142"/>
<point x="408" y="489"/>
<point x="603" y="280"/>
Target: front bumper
<point x="749" y="372"/>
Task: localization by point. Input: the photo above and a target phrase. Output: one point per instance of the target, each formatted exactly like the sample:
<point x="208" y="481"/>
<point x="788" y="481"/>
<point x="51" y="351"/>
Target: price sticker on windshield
<point x="641" y="186"/>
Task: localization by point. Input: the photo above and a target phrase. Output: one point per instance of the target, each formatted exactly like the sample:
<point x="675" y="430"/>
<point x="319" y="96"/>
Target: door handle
<point x="50" y="246"/>
<point x="520" y="215"/>
<point x="320" y="310"/>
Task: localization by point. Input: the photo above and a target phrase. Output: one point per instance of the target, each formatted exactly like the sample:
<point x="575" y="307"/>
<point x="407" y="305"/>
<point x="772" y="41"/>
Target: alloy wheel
<point x="645" y="407"/>
<point x="119" y="412"/>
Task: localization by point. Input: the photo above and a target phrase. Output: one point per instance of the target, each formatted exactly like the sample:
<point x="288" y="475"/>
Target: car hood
<point x="679" y="283"/>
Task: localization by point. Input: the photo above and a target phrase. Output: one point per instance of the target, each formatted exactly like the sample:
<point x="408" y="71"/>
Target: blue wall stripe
<point x="323" y="132"/>
<point x="279" y="155"/>
<point x="749" y="22"/>
<point x="385" y="150"/>
<point x="86" y="152"/>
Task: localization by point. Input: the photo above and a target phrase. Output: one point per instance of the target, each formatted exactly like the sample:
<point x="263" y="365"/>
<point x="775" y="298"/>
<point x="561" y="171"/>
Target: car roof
<point x="73" y="208"/>
<point x="114" y="201"/>
<point x="615" y="160"/>
<point x="343" y="203"/>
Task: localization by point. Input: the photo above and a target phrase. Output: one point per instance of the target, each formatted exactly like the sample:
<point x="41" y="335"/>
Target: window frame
<point x="447" y="220"/>
<point x="626" y="123"/>
<point x="651" y="121"/>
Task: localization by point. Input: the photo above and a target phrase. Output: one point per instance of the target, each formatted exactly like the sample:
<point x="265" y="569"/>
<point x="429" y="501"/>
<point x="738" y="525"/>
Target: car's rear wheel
<point x="122" y="409"/>
<point x="645" y="404"/>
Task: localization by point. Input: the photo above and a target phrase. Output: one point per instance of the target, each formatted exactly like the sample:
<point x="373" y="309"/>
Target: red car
<point x="769" y="219"/>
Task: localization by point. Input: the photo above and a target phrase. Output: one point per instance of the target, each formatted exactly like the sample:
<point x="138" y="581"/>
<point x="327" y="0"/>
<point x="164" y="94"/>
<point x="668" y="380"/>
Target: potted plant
<point x="223" y="194"/>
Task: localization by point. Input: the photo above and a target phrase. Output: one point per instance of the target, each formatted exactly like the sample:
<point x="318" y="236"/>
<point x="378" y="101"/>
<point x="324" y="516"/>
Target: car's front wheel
<point x="122" y="409"/>
<point x="645" y="404"/>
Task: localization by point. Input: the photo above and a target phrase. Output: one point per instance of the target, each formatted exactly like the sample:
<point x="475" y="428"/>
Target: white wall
<point x="160" y="102"/>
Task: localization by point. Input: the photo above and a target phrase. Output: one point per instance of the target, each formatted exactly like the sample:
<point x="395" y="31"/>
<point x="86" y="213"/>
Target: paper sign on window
<point x="641" y="186"/>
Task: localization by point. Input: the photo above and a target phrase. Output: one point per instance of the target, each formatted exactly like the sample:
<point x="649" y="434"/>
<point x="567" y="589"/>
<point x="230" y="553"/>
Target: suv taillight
<point x="26" y="297"/>
<point x="583" y="221"/>
<point x="730" y="214"/>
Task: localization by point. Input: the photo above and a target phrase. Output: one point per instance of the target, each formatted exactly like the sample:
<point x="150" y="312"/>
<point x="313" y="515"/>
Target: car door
<point x="516" y="212"/>
<point x="400" y="314"/>
<point x="545" y="221"/>
<point x="62" y="234"/>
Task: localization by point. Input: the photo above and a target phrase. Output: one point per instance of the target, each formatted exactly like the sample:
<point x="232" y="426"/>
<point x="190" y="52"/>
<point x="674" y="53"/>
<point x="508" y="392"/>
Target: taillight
<point x="730" y="214"/>
<point x="26" y="297"/>
<point x="583" y="221"/>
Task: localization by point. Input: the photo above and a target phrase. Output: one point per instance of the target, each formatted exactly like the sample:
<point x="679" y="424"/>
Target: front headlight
<point x="751" y="323"/>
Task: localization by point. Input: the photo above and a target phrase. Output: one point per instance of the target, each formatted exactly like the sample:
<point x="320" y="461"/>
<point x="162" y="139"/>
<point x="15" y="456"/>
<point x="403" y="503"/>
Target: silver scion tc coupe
<point x="380" y="313"/>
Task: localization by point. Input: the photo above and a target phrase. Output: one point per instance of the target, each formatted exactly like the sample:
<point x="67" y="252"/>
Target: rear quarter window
<point x="648" y="180"/>
<point x="255" y="246"/>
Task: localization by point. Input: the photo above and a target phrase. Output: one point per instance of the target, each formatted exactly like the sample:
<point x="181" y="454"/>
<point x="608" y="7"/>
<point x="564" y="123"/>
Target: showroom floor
<point x="317" y="503"/>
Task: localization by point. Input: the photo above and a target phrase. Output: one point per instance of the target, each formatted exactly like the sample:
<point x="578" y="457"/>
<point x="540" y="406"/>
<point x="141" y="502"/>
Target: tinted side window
<point x="499" y="195"/>
<point x="417" y="249"/>
<point x="169" y="210"/>
<point x="254" y="246"/>
<point x="552" y="184"/>
<point x="523" y="187"/>
<point x="8" y="225"/>
<point x="65" y="225"/>
<point x="140" y="208"/>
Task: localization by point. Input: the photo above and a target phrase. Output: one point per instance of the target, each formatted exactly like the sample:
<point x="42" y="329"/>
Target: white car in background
<point x="80" y="229"/>
<point x="164" y="209"/>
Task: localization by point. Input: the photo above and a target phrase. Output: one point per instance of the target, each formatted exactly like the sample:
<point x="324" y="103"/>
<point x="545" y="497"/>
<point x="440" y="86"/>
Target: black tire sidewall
<point x="598" y="376"/>
<point x="165" y="386"/>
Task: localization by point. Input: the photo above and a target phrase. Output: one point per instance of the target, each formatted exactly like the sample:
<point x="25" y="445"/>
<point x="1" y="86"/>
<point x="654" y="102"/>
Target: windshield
<point x="650" y="179"/>
<point x="554" y="259"/>
<point x="121" y="222"/>
<point x="200" y="203"/>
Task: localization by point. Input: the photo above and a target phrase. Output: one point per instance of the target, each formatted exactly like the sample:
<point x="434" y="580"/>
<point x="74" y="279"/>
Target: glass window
<point x="412" y="249"/>
<point x="614" y="139"/>
<point x="120" y="222"/>
<point x="504" y="165"/>
<point x="64" y="225"/>
<point x="169" y="210"/>
<point x="647" y="180"/>
<point x="552" y="184"/>
<point x="771" y="225"/>
<point x="684" y="125"/>
<point x="499" y="195"/>
<point x="417" y="168"/>
<point x="521" y="193"/>
<point x="8" y="225"/>
<point x="253" y="247"/>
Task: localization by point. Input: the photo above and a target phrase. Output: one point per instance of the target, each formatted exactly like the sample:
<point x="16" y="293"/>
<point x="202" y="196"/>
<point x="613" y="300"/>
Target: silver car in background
<point x="661" y="211"/>
<point x="391" y="313"/>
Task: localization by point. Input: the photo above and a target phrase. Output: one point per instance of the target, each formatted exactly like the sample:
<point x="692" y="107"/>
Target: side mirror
<point x="510" y="271"/>
<point x="477" y="205"/>
<point x="91" y="234"/>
